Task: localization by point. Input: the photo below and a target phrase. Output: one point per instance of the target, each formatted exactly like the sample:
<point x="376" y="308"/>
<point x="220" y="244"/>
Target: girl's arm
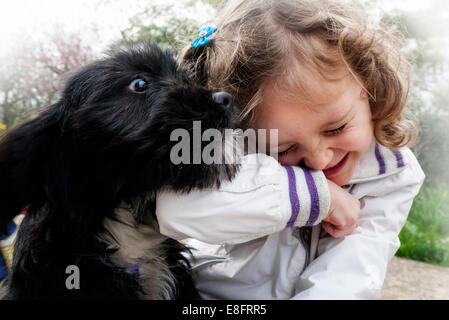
<point x="355" y="267"/>
<point x="263" y="198"/>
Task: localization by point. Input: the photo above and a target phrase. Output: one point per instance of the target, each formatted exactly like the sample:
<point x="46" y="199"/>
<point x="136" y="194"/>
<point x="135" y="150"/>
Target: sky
<point x="31" y="19"/>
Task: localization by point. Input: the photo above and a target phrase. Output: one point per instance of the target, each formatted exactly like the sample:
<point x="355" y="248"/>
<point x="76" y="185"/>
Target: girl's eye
<point x="138" y="86"/>
<point x="335" y="131"/>
<point x="283" y="153"/>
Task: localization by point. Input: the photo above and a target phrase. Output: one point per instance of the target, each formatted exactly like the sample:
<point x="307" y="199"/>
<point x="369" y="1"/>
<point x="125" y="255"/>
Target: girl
<point x="335" y="87"/>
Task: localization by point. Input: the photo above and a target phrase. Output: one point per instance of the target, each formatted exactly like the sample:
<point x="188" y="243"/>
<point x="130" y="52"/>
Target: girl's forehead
<point x="312" y="88"/>
<point x="320" y="108"/>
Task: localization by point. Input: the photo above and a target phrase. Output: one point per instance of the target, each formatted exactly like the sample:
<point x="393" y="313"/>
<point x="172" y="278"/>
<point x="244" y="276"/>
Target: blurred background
<point x="41" y="41"/>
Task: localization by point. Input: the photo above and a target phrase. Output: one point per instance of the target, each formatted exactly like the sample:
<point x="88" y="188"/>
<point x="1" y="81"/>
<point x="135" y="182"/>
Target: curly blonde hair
<point x="257" y="39"/>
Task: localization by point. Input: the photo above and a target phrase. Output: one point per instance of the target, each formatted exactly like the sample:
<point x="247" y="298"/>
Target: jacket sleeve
<point x="263" y="198"/>
<point x="355" y="267"/>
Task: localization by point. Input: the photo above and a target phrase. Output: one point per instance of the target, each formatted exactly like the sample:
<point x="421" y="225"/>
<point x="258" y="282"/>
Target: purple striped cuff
<point x="309" y="196"/>
<point x="314" y="199"/>
<point x="293" y="193"/>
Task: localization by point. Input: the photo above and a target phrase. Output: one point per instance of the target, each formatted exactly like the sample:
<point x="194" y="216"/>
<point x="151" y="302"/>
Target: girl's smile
<point x="323" y="124"/>
<point x="331" y="171"/>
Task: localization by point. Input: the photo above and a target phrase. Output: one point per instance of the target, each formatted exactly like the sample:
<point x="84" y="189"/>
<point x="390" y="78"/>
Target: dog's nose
<point x="223" y="98"/>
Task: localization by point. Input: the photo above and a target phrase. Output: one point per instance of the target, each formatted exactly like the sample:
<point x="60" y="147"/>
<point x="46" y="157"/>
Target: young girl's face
<point x="325" y="126"/>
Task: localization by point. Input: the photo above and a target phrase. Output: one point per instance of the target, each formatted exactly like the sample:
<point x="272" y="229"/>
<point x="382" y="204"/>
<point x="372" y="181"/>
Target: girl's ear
<point x="25" y="151"/>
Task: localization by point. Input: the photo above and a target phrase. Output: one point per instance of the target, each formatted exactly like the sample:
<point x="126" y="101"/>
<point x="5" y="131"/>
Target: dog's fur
<point x="89" y="168"/>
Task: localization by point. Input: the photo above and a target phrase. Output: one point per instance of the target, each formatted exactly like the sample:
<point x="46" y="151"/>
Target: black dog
<point x="89" y="168"/>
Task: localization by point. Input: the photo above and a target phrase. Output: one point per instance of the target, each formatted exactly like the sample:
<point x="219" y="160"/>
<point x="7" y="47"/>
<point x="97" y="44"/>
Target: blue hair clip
<point x="204" y="33"/>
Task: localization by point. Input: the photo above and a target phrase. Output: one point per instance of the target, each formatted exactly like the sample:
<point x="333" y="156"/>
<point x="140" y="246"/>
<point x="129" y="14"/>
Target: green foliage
<point x="3" y="128"/>
<point x="172" y="34"/>
<point x="428" y="98"/>
<point x="433" y="148"/>
<point x="169" y="26"/>
<point x="425" y="236"/>
<point x="34" y="72"/>
<point x="217" y="4"/>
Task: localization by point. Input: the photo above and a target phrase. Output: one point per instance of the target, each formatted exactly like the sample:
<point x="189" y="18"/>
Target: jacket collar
<point x="378" y="162"/>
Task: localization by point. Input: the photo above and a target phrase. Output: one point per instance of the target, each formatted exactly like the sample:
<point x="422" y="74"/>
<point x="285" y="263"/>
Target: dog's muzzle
<point x="223" y="98"/>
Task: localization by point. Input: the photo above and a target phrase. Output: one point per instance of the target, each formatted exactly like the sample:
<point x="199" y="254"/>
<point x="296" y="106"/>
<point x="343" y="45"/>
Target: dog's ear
<point x="24" y="151"/>
<point x="193" y="61"/>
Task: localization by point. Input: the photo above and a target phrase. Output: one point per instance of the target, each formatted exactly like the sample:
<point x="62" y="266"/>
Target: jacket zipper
<point x="304" y="236"/>
<point x="212" y="260"/>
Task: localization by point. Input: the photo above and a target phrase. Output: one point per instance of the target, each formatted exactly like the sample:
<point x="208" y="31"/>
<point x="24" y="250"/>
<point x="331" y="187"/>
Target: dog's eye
<point x="138" y="86"/>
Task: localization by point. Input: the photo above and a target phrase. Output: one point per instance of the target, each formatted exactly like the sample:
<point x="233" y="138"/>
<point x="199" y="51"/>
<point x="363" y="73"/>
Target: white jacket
<point x="253" y="242"/>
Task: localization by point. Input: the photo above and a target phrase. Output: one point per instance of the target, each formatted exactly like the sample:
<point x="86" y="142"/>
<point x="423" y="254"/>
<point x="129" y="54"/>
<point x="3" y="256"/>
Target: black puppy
<point x="90" y="165"/>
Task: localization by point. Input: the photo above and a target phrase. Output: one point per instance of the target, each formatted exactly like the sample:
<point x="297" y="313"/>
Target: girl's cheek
<point x="356" y="138"/>
<point x="350" y="139"/>
<point x="290" y="159"/>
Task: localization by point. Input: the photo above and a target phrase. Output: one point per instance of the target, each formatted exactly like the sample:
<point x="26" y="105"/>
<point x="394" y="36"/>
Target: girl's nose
<point x="319" y="159"/>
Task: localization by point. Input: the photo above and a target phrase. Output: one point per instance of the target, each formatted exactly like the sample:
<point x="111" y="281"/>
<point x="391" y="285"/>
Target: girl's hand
<point x="344" y="212"/>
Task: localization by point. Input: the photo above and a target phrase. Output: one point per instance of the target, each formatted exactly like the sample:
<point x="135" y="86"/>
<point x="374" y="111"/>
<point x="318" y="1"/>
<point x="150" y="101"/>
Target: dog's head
<point x="116" y="130"/>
